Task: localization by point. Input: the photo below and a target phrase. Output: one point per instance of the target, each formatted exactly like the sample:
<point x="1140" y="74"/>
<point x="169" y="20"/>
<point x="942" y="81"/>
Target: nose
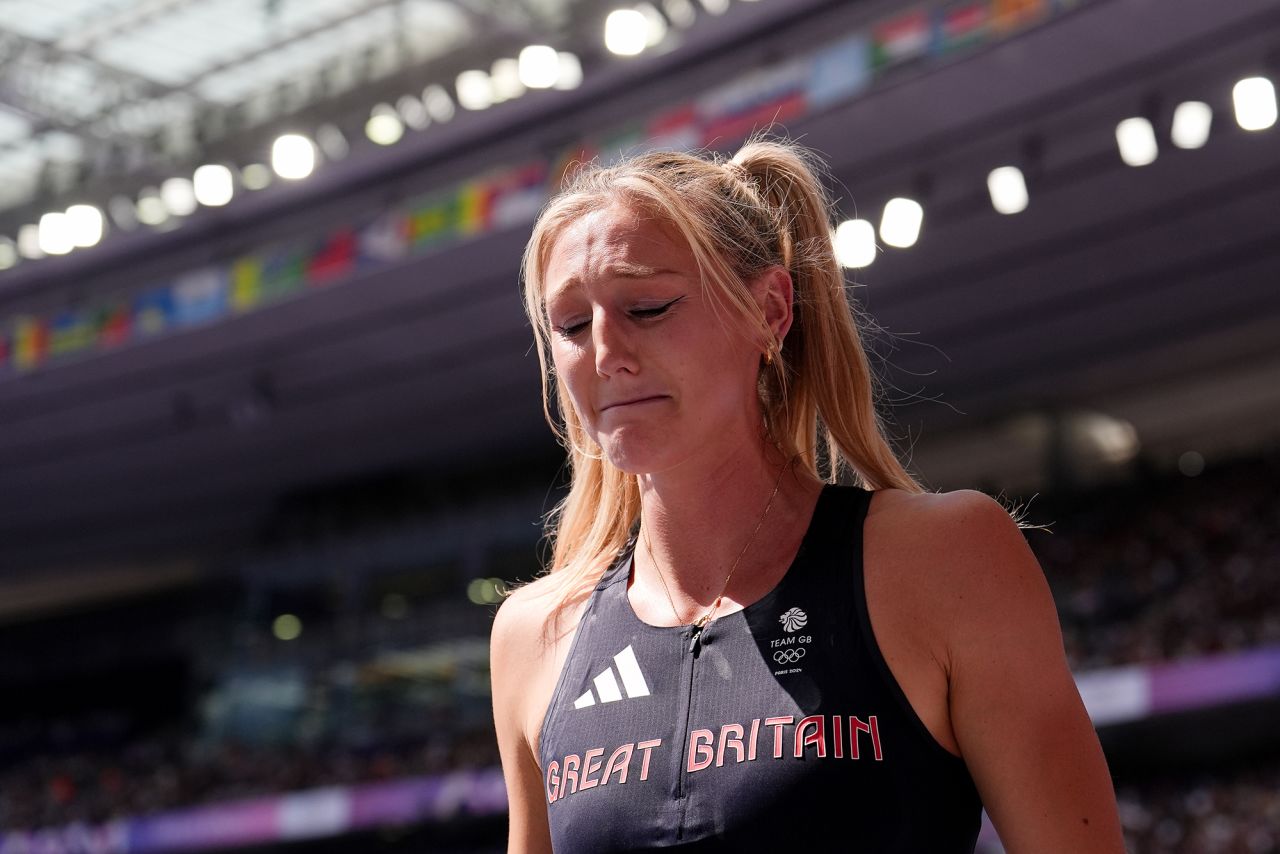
<point x="614" y="347"/>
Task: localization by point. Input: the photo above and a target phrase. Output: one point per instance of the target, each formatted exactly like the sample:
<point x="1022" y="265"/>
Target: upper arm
<point x="1015" y="709"/>
<point x="511" y="648"/>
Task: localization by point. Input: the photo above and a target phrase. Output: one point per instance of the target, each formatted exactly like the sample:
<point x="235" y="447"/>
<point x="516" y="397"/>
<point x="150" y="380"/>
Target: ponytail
<point x="822" y="389"/>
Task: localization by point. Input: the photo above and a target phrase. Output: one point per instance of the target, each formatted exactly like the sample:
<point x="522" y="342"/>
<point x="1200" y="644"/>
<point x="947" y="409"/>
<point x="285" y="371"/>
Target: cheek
<point x="730" y="383"/>
<point x="569" y="364"/>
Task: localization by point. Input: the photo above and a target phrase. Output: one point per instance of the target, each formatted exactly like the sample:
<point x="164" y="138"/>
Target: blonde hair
<point x="765" y="206"/>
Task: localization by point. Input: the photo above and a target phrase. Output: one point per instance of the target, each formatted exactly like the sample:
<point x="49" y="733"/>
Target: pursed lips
<point x="633" y="400"/>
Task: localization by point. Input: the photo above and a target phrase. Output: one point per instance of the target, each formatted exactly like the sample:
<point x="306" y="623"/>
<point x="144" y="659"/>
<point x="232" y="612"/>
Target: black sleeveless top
<point x="780" y="729"/>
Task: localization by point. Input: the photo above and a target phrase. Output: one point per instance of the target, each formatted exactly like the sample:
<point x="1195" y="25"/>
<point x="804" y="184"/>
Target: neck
<point x="698" y="522"/>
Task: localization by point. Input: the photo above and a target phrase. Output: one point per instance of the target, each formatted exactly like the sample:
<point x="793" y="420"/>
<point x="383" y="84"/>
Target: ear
<point x="775" y="294"/>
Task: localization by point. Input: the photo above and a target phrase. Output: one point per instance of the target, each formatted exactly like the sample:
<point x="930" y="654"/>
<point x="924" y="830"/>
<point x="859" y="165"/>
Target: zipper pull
<point x="695" y="640"/>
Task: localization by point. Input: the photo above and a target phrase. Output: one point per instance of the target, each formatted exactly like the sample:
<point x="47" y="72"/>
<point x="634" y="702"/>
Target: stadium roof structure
<point x="97" y="98"/>
<point x="1135" y="306"/>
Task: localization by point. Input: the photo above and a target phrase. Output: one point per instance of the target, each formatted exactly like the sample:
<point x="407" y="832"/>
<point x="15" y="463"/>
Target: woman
<point x="731" y="652"/>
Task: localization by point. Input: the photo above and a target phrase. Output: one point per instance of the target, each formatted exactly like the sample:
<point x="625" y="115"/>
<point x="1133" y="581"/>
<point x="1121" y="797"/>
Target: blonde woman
<point x="732" y="652"/>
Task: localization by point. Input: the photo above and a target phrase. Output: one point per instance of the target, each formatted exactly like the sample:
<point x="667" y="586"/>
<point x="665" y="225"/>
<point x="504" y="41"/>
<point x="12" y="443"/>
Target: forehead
<point x="616" y="242"/>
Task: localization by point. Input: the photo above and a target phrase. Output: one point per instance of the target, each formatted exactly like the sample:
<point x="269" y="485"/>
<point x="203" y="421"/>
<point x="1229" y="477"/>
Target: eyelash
<point x="642" y="313"/>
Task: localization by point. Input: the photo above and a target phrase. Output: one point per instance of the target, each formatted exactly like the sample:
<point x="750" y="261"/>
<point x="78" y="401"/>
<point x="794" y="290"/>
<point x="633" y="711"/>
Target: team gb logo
<point x="793" y="620"/>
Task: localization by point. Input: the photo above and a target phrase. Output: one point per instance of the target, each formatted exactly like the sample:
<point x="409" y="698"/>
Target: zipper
<point x="695" y="648"/>
<point x="695" y="642"/>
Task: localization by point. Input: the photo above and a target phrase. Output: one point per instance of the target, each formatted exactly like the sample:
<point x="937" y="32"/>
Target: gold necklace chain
<point x="702" y="621"/>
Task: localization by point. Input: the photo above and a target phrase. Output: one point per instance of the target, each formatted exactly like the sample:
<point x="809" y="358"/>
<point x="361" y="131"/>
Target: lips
<point x="630" y="401"/>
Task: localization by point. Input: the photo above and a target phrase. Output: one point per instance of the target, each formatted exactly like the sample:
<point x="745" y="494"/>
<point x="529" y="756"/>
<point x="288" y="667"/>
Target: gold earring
<point x="768" y="355"/>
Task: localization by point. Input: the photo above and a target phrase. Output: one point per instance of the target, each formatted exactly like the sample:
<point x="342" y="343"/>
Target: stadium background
<point x="270" y="446"/>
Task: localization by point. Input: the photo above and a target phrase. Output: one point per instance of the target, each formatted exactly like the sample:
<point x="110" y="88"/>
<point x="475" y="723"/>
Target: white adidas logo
<point x="607" y="684"/>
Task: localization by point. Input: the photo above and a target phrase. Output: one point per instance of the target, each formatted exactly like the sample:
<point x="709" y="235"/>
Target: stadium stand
<point x="388" y="696"/>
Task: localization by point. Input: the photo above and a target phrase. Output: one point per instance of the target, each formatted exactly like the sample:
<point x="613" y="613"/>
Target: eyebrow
<point x="616" y="270"/>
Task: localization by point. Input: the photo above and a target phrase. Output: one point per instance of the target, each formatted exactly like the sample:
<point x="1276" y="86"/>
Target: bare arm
<point x="1015" y="709"/>
<point x="511" y="650"/>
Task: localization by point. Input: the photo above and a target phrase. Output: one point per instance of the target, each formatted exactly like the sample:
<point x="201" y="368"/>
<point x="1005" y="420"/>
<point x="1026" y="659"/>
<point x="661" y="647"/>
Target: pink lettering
<point x="578" y="773"/>
<point x="728" y="740"/>
<point x="837" y="738"/>
<point x="872" y="728"/>
<point x="696" y="760"/>
<point x="618" y="762"/>
<point x="755" y="728"/>
<point x="875" y="737"/>
<point x="778" y="724"/>
<point x="553" y="781"/>
<point x="818" y="736"/>
<point x="587" y="770"/>
<point x="571" y="763"/>
<point x="647" y="746"/>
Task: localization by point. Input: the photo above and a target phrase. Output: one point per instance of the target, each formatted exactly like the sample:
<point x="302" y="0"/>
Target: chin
<point x="632" y="463"/>
<point x="636" y="456"/>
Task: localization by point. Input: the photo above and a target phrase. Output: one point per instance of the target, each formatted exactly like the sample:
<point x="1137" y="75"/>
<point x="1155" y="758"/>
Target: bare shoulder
<point x="959" y="587"/>
<point x="528" y="642"/>
<point x="1011" y="702"/>
<point x="985" y="551"/>
<point x="960" y="555"/>
<point x="959" y="525"/>
<point x="522" y="653"/>
<point x="939" y="507"/>
<point x="522" y="625"/>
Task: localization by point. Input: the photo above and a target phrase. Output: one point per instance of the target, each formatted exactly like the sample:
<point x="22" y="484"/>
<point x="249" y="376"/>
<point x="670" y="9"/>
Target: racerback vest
<point x="781" y="729"/>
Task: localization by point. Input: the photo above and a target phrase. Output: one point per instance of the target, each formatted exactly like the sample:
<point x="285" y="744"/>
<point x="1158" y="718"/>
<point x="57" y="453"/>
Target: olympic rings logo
<point x="789" y="656"/>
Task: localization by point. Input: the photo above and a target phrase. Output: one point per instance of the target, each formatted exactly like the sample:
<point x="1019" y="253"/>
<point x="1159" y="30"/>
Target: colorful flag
<point x="475" y="204"/>
<point x="70" y="331"/>
<point x="754" y="102"/>
<point x="283" y="272"/>
<point x="385" y="239"/>
<point x="673" y="130"/>
<point x="246" y="283"/>
<point x="1009" y="15"/>
<point x="839" y="72"/>
<point x="30" y="342"/>
<point x="153" y="311"/>
<point x="962" y="24"/>
<point x="200" y="296"/>
<point x="899" y="39"/>
<point x="336" y="257"/>
<point x="519" y="194"/>
<point x="113" y="323"/>
<point x="432" y="221"/>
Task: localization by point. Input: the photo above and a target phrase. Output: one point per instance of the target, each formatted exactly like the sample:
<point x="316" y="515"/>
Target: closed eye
<point x="654" y="312"/>
<point x="642" y="313"/>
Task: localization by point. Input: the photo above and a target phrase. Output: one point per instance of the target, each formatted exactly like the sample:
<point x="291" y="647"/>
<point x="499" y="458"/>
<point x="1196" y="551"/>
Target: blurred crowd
<point x="1150" y="571"/>
<point x="1234" y="813"/>
<point x="1176" y="568"/>
<point x="169" y="770"/>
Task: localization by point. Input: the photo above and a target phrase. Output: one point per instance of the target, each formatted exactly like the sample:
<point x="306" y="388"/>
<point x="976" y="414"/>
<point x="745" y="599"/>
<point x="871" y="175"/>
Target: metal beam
<point x="115" y="21"/>
<point x="502" y="18"/>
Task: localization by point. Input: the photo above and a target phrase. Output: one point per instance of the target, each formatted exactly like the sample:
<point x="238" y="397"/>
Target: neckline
<point x="624" y="575"/>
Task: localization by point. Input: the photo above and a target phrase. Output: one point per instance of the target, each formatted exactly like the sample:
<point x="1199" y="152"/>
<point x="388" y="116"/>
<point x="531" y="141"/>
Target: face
<point x="655" y="378"/>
